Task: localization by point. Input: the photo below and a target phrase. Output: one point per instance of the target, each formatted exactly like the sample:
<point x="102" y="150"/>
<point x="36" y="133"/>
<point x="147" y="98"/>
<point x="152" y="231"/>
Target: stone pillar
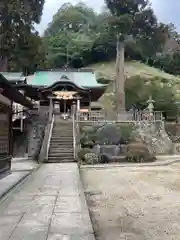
<point x="73" y="107"/>
<point x="78" y="105"/>
<point x="50" y="108"/>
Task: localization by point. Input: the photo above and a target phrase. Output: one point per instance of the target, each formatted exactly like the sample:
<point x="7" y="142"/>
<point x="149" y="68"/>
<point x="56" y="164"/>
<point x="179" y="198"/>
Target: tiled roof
<point x="13" y="76"/>
<point x="83" y="79"/>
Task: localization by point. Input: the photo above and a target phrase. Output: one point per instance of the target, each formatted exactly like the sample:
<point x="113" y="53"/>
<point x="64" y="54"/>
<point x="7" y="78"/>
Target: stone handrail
<point x="74" y="137"/>
<point x="49" y="137"/>
<point x="45" y="144"/>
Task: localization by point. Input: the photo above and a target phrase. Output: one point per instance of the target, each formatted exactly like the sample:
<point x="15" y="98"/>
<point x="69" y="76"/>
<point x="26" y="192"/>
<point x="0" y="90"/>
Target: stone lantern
<point x="150" y="106"/>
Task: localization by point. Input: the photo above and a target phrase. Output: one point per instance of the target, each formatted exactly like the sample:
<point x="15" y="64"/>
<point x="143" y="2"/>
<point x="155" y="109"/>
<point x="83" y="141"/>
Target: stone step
<point x="61" y="143"/>
<point x="60" y="156"/>
<point x="60" y="146"/>
<point x="62" y="128"/>
<point x="62" y="132"/>
<point x="70" y="158"/>
<point x="62" y="135"/>
<point x="58" y="151"/>
<point x="67" y="155"/>
<point x="58" y="132"/>
<point x="52" y="148"/>
<point x="62" y="139"/>
<point x="59" y="161"/>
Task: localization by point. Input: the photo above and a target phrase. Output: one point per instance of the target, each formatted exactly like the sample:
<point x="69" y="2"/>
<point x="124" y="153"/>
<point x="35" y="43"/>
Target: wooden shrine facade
<point x="8" y="95"/>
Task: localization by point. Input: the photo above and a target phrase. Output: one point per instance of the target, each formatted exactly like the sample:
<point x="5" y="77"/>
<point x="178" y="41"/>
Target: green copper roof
<point x="13" y="76"/>
<point x="81" y="79"/>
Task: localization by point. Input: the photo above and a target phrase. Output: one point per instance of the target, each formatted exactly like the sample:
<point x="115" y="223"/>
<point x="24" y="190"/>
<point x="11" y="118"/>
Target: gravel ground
<point x="134" y="203"/>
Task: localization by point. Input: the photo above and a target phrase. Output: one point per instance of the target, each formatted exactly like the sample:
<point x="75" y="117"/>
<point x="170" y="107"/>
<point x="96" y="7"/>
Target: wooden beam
<point x="5" y="100"/>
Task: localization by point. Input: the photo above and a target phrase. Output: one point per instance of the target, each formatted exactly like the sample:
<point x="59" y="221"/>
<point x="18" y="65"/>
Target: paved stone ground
<point x="134" y="203"/>
<point x="23" y="164"/>
<point x="20" y="168"/>
<point x="49" y="205"/>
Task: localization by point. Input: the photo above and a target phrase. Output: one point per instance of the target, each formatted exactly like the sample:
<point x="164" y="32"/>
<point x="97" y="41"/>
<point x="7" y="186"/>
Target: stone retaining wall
<point x="36" y="131"/>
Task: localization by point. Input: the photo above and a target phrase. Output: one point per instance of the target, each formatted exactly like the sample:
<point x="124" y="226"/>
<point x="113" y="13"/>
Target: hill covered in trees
<point x="78" y="36"/>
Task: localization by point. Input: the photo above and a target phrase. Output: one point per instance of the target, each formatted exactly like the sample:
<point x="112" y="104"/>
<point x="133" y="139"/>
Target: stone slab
<point x="7" y="183"/>
<point x="59" y="236"/>
<point x="23" y="164"/>
<point x="50" y="204"/>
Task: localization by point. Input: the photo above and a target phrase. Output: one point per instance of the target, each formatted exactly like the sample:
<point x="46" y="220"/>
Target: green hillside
<point x="133" y="68"/>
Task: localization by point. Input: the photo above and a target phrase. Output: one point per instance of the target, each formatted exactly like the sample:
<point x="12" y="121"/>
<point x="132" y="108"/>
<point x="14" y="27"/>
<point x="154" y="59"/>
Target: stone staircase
<point x="61" y="143"/>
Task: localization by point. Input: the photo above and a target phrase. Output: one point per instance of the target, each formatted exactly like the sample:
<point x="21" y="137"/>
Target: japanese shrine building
<point x="60" y="88"/>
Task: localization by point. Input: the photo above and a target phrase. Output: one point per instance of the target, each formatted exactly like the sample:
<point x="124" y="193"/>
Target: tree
<point x="17" y="19"/>
<point x="70" y="36"/>
<point x="28" y="56"/>
<point x="78" y="18"/>
<point x="138" y="90"/>
<point x="129" y="18"/>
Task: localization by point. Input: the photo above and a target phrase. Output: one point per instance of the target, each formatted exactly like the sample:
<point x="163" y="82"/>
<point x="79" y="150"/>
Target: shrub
<point x="138" y="92"/>
<point x="126" y="132"/>
<point x="91" y="158"/>
<point x="138" y="152"/>
<point x="82" y="153"/>
<point x="103" y="80"/>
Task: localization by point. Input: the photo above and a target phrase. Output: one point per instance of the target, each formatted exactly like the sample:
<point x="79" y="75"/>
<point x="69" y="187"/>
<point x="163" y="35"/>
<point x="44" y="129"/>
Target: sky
<point x="166" y="10"/>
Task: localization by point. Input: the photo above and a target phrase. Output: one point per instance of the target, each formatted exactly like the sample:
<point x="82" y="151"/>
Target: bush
<point x="91" y="158"/>
<point x="126" y="132"/>
<point x="138" y="92"/>
<point x="82" y="153"/>
<point x="103" y="80"/>
<point x="139" y="153"/>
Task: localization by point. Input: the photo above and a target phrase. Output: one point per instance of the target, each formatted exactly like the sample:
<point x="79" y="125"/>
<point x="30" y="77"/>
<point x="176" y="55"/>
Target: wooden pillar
<point x="89" y="100"/>
<point x="10" y="131"/>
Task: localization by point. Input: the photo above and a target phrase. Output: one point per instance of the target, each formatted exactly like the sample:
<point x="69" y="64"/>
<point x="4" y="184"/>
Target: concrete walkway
<point x="49" y="205"/>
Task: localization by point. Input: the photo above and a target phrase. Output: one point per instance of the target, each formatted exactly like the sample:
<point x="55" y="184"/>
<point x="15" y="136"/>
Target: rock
<point x="105" y="158"/>
<point x="109" y="149"/>
<point x="96" y="149"/>
<point x="154" y="136"/>
<point x="108" y="134"/>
